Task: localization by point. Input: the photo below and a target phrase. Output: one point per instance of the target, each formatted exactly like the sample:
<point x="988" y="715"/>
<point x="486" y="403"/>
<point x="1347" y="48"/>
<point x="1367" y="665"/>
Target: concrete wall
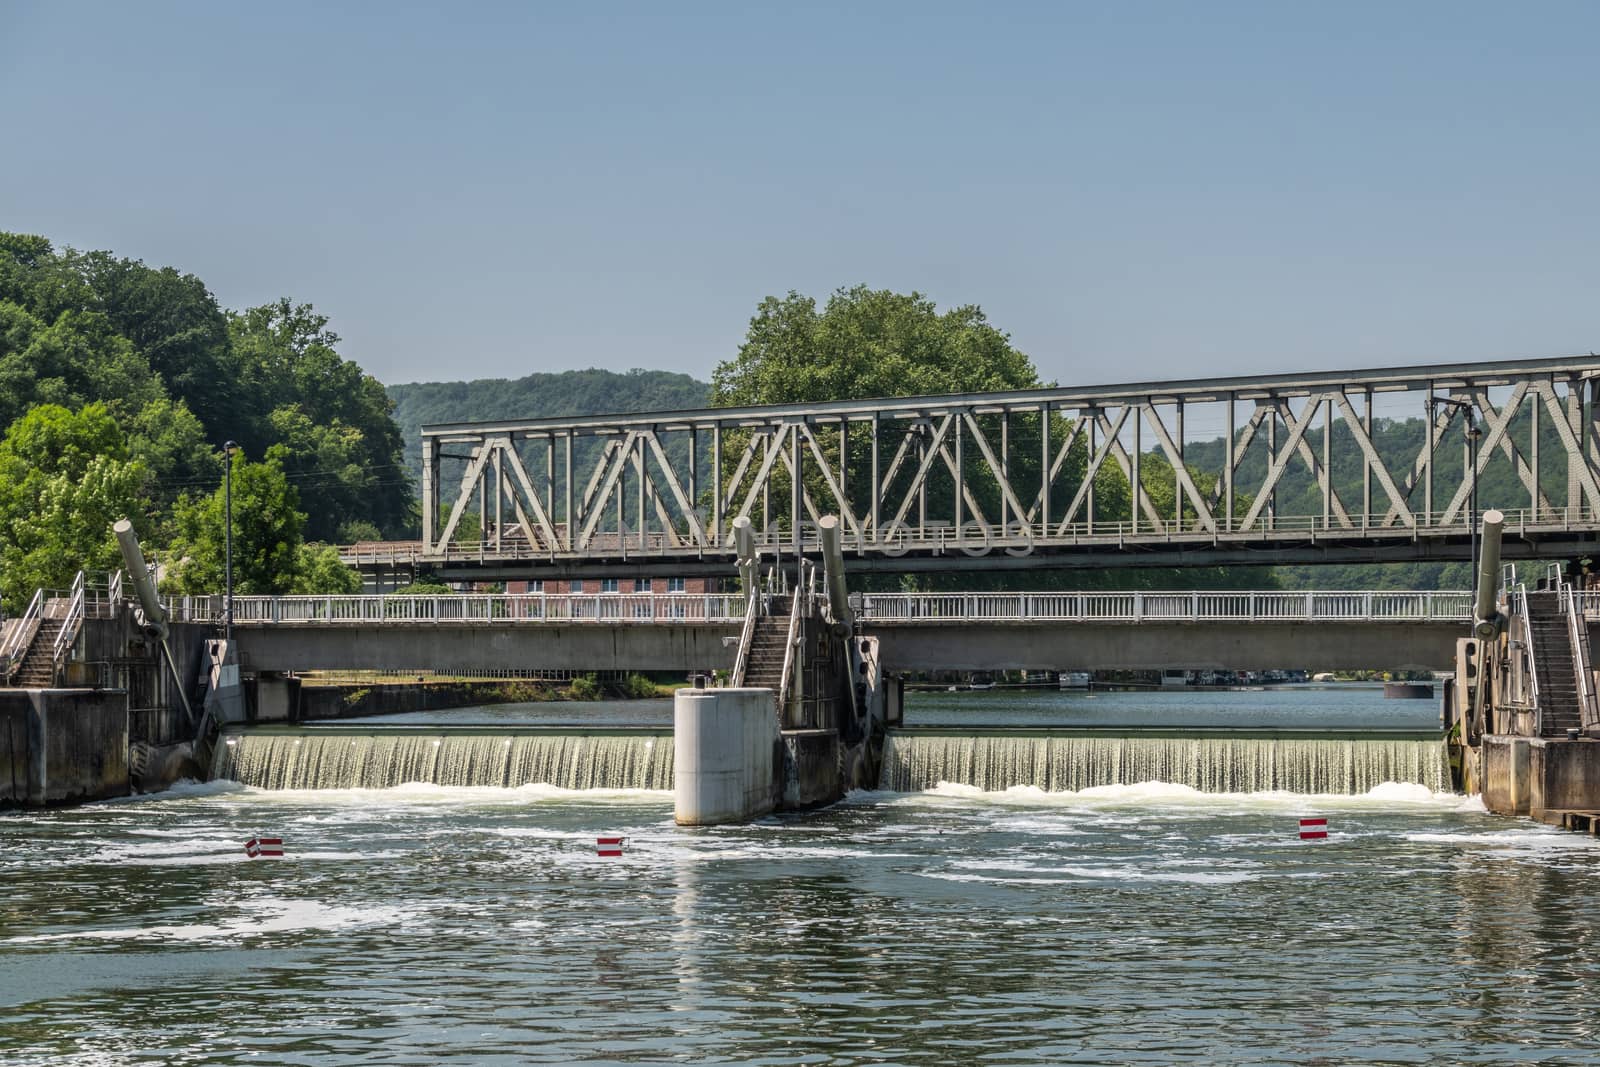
<point x="811" y="769"/>
<point x="1535" y="775"/>
<point x="727" y="759"/>
<point x="1319" y="646"/>
<point x="15" y="714"/>
<point x="623" y="647"/>
<point x="58" y="746"/>
<point x="909" y="647"/>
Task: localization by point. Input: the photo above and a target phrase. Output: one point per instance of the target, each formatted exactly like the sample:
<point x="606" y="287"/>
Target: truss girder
<point x="961" y="476"/>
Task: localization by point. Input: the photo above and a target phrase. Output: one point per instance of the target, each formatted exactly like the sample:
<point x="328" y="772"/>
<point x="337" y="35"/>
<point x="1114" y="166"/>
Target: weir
<point x="383" y="758"/>
<point x="1209" y="761"/>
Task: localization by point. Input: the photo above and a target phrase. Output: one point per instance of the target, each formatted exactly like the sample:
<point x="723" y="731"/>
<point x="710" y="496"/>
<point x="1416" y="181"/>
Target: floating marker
<point x="263" y="846"/>
<point x="1313" y="828"/>
<point x="608" y="846"/>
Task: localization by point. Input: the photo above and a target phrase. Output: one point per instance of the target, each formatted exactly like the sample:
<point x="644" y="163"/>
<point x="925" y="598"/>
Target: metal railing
<point x="21" y="635"/>
<point x="1517" y="602"/>
<point x="974" y="538"/>
<point x="1242" y="606"/>
<point x="67" y="636"/>
<point x="1578" y="638"/>
<point x="805" y="591"/>
<point x="883" y="608"/>
<point x="479" y="608"/>
<point x="741" y="661"/>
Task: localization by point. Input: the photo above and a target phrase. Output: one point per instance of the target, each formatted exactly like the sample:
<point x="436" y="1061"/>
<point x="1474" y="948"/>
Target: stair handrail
<point x="1578" y="640"/>
<point x="67" y="636"/>
<point x="751" y="612"/>
<point x="785" y="687"/>
<point x="1519" y="605"/>
<point x="11" y="649"/>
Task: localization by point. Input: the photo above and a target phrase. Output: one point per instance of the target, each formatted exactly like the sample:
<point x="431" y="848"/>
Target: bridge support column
<point x="727" y="756"/>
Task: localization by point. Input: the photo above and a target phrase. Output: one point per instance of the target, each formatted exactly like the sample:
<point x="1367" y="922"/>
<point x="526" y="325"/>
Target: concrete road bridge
<point x="1237" y="630"/>
<point x="1169" y="474"/>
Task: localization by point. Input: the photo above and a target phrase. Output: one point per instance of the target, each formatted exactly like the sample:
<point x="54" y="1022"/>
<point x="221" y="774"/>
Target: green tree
<point x="269" y="555"/>
<point x="866" y="343"/>
<point x="874" y="343"/>
<point x="169" y="440"/>
<point x="267" y="524"/>
<point x="171" y="320"/>
<point x="341" y="445"/>
<point x="65" y="478"/>
<point x="74" y="359"/>
<point x="320" y="571"/>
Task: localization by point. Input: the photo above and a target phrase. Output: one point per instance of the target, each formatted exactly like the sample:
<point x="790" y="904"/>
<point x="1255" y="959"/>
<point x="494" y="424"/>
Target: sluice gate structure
<point x="1522" y="713"/>
<point x="1173" y="474"/>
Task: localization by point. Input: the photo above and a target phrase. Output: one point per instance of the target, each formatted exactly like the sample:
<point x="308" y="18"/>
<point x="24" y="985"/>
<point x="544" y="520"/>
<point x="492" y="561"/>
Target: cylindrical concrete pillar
<point x="1488" y="564"/>
<point x="725" y="753"/>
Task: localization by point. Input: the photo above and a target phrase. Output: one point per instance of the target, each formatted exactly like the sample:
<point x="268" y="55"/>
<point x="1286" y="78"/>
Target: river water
<point x="1137" y="923"/>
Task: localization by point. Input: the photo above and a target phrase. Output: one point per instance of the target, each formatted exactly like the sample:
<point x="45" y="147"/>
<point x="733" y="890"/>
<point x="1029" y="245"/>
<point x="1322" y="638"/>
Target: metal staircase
<point x="37" y="667"/>
<point x="766" y="657"/>
<point x="1554" y="664"/>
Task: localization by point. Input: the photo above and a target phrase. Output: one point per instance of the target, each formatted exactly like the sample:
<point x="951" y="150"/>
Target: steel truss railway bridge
<point x="1170" y="474"/>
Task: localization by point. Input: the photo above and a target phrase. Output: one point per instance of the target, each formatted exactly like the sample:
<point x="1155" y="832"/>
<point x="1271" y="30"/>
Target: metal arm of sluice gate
<point x="833" y="573"/>
<point x="1487" y="620"/>
<point x="155" y="614"/>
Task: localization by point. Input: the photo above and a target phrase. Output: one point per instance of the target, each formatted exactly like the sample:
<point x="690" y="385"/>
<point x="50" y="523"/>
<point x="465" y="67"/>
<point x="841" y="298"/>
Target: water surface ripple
<point x="1141" y="924"/>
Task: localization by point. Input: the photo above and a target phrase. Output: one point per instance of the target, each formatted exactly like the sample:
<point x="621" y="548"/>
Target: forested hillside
<point x="575" y="392"/>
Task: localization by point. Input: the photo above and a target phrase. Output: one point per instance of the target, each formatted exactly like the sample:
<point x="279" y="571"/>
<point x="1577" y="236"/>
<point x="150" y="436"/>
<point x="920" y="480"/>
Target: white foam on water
<point x="1120" y="872"/>
<point x="427" y="793"/>
<point x="1530" y="839"/>
<point x="1167" y="795"/>
<point x="185" y="788"/>
<point x="266" y="917"/>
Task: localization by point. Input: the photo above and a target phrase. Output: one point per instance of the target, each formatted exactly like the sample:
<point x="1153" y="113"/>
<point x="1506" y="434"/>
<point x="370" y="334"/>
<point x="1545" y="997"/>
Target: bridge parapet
<point x="872" y="609"/>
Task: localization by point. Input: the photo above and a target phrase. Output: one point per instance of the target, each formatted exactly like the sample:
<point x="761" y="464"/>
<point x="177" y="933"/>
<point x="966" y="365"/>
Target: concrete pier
<point x="1542" y="777"/>
<point x="60" y="746"/>
<point x="727" y="755"/>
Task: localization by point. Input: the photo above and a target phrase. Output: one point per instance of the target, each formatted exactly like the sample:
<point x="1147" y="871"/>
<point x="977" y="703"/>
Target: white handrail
<point x="68" y="634"/>
<point x="511" y="609"/>
<point x="1519" y="608"/>
<point x="741" y="661"/>
<point x="1578" y="639"/>
<point x="16" y="641"/>
<point x="786" y="685"/>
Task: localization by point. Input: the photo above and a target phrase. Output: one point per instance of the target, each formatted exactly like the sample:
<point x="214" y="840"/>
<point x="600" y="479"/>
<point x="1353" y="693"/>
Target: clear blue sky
<point x="1132" y="190"/>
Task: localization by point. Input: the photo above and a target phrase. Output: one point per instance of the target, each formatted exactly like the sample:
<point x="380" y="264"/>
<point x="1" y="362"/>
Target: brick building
<point x="616" y="585"/>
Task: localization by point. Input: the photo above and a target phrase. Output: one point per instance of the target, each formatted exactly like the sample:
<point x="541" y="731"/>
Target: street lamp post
<point x="228" y="449"/>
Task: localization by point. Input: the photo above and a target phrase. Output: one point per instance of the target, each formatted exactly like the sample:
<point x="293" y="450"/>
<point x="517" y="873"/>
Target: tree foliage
<point x="332" y="422"/>
<point x="181" y="375"/>
<point x="65" y="478"/>
<point x="868" y="343"/>
<point x="139" y="368"/>
<point x="865" y="343"/>
<point x="269" y="552"/>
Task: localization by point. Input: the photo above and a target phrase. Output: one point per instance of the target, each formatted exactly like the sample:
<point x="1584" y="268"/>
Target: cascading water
<point x="316" y="760"/>
<point x="913" y="760"/>
<point x="1209" y="764"/>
